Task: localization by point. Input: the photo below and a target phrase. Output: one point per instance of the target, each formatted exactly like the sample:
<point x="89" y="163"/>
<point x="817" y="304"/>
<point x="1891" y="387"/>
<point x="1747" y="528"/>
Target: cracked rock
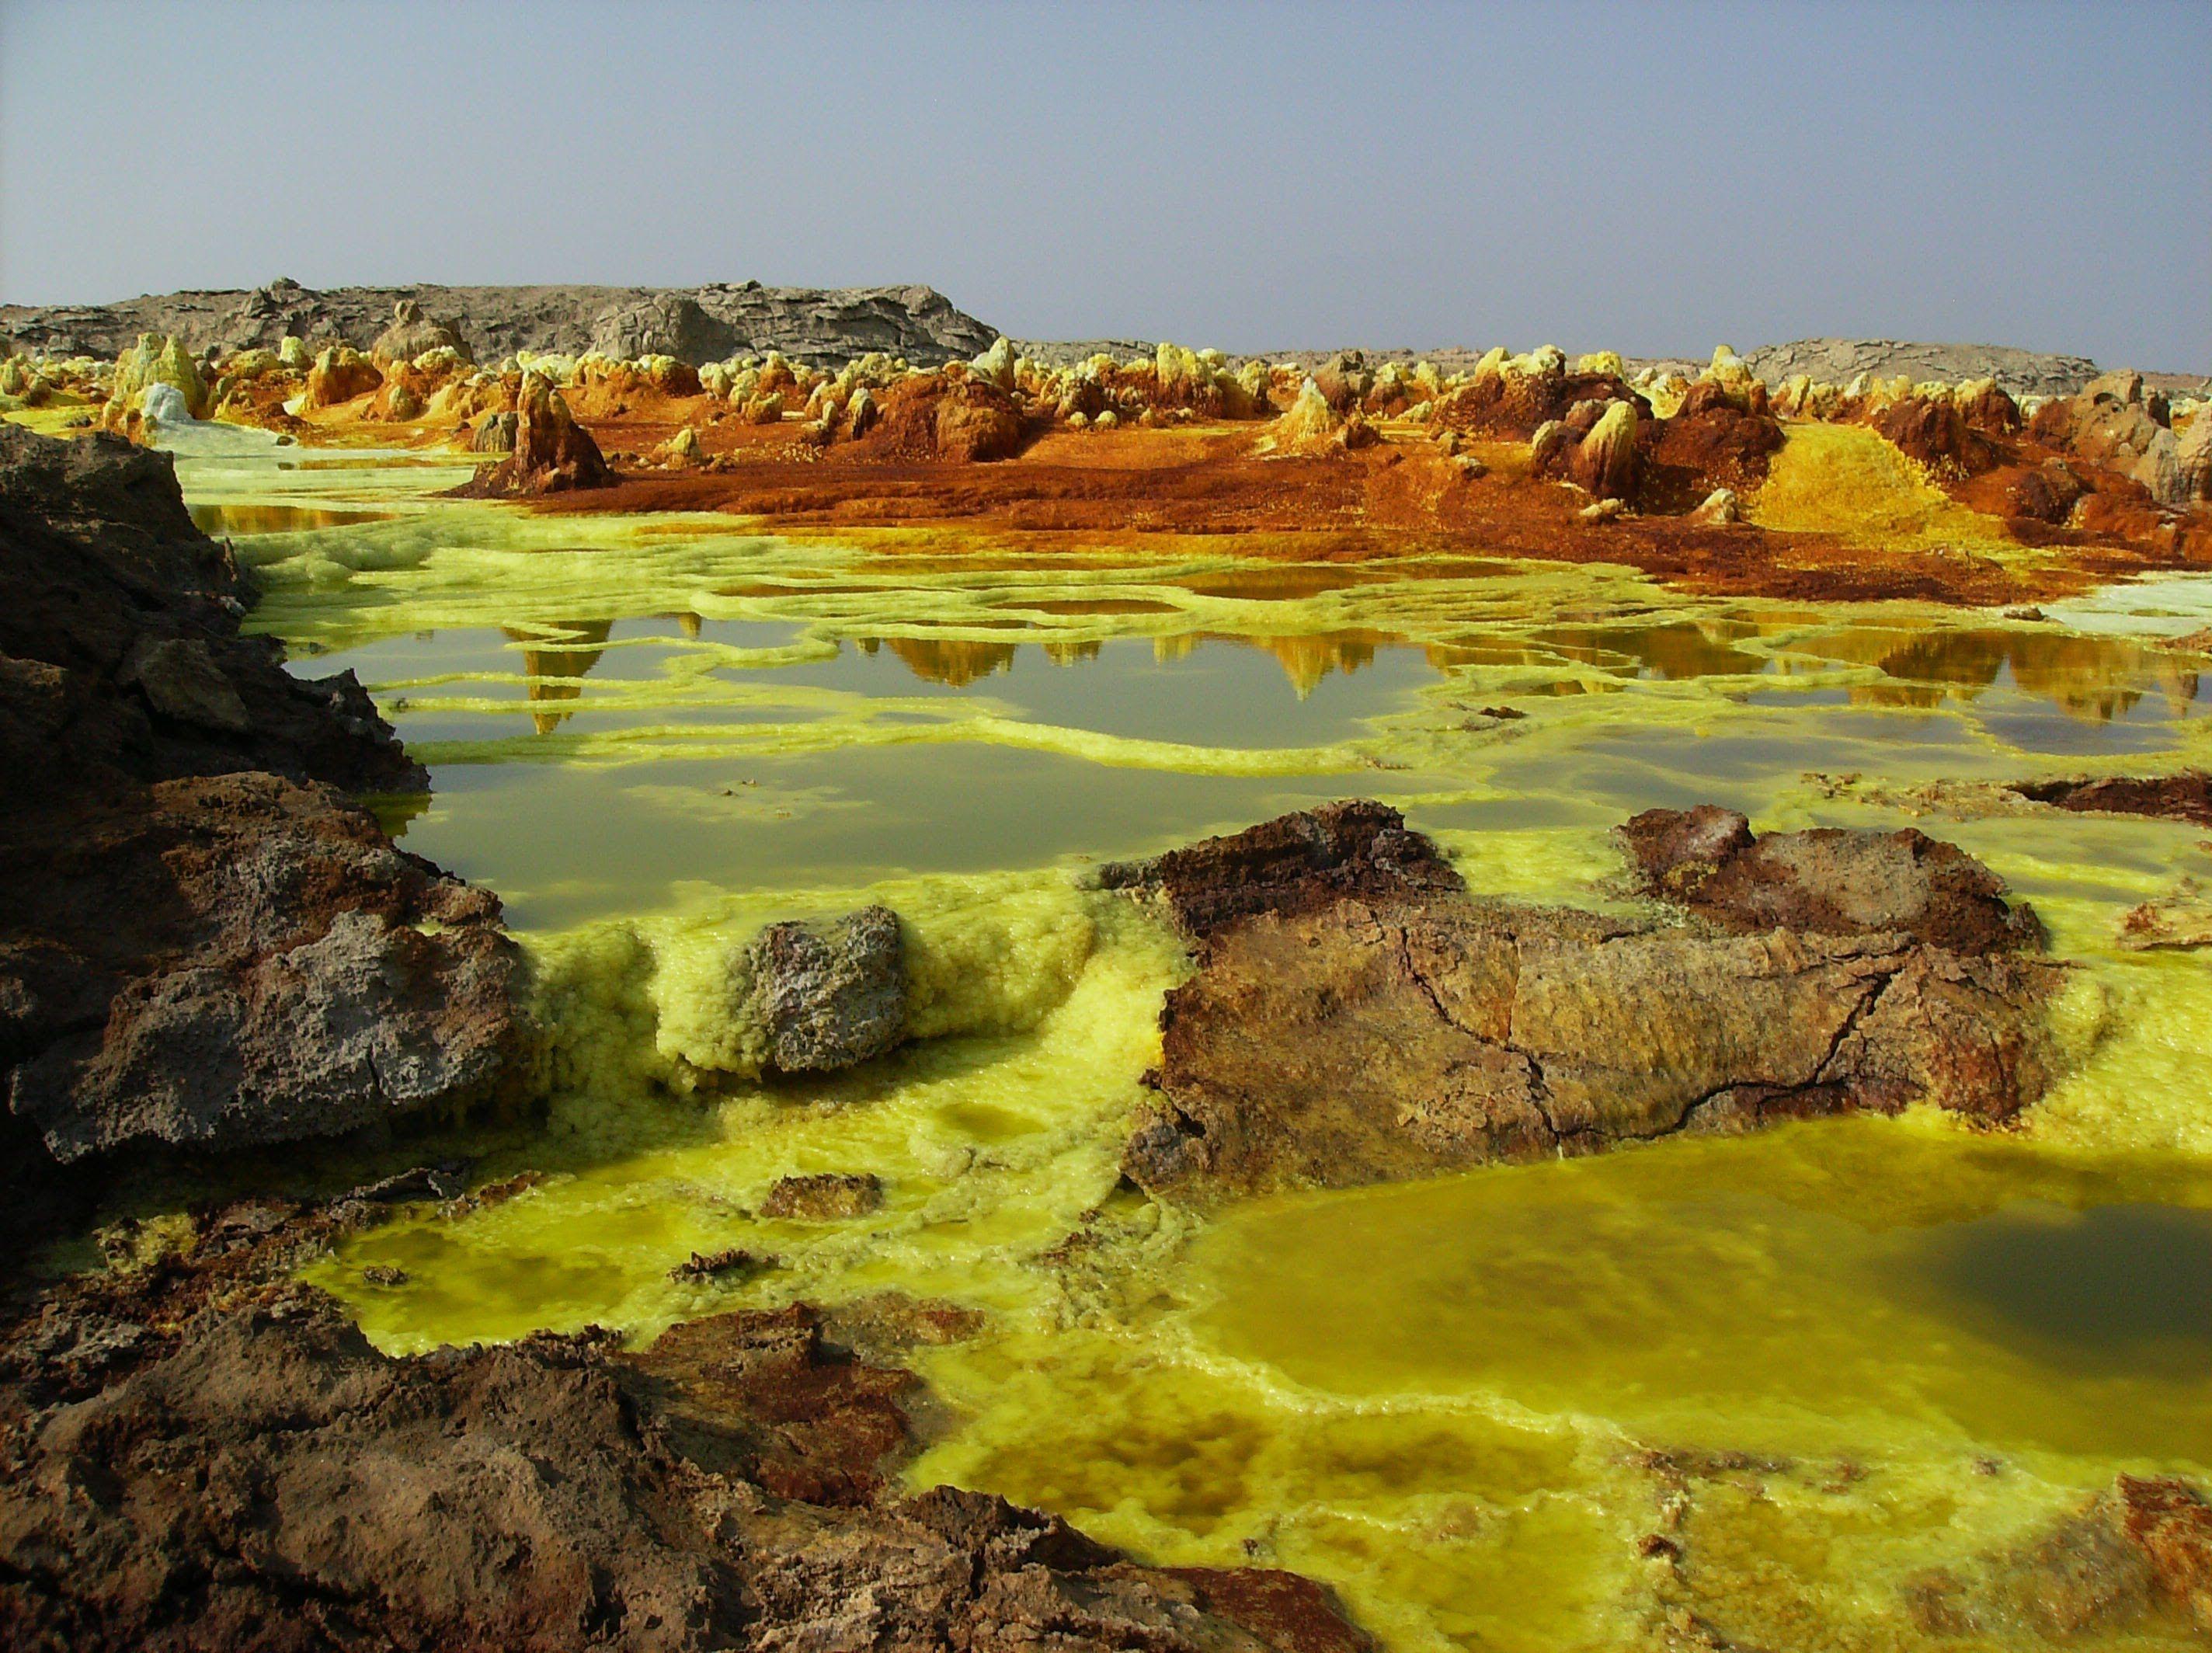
<point x="1357" y="1016"/>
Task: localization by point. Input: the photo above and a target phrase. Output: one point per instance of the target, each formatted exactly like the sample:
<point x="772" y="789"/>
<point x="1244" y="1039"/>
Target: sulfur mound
<point x="1355" y="1016"/>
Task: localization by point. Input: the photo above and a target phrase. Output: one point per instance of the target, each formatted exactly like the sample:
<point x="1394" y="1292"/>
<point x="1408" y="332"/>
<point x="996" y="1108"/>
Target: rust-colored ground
<point x="1085" y="491"/>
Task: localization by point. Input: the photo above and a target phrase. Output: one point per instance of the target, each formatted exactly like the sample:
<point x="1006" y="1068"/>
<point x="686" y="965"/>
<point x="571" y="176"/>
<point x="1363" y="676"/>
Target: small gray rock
<point x="829" y="995"/>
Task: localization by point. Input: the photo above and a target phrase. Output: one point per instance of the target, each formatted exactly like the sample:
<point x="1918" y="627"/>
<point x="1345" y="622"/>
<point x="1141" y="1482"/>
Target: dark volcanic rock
<point x="1349" y="1023"/>
<point x="1289" y="867"/>
<point x="241" y="959"/>
<point x="831" y="995"/>
<point x="273" y="1482"/>
<point x="119" y="648"/>
<point x="201" y="941"/>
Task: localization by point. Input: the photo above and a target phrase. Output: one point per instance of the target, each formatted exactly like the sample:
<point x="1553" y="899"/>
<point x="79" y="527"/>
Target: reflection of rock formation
<point x="1071" y="653"/>
<point x="1681" y="649"/>
<point x="555" y="667"/>
<point x="2094" y="678"/>
<point x="1306" y="660"/>
<point x="956" y="662"/>
<point x="689" y="624"/>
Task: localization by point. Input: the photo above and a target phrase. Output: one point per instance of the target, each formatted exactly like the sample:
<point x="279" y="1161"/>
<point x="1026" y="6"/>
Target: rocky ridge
<point x="693" y="324"/>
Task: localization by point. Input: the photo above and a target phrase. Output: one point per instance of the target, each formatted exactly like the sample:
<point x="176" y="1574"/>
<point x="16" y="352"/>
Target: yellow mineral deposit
<point x="1487" y="1407"/>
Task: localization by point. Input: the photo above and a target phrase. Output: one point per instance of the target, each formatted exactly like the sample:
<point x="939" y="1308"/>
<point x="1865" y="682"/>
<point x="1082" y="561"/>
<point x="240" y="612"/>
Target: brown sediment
<point x="1072" y="494"/>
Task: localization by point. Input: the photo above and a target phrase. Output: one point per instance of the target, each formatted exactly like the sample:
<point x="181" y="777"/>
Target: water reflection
<point x="556" y="664"/>
<point x="236" y="521"/>
<point x="2095" y="678"/>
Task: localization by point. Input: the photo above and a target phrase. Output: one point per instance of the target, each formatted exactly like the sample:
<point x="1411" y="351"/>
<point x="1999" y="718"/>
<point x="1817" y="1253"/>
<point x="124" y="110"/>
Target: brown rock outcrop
<point x="2113" y="425"/>
<point x="1356" y="1017"/>
<point x="273" y="1482"/>
<point x="964" y="419"/>
<point x="241" y="959"/>
<point x="1709" y="443"/>
<point x="2140" y="1552"/>
<point x="201" y="941"/>
<point x="2185" y="795"/>
<point x="1948" y="439"/>
<point x="826" y="1196"/>
<point x="551" y="454"/>
<point x="1826" y="882"/>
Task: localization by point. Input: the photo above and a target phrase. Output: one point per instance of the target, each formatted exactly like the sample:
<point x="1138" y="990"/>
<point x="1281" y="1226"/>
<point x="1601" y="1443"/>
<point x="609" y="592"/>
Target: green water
<point x="652" y="736"/>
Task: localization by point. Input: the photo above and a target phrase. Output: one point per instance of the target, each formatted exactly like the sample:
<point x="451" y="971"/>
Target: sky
<point x="1654" y="179"/>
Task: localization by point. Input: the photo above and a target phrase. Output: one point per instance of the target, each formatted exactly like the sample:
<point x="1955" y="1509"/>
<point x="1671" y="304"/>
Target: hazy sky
<point x="1654" y="177"/>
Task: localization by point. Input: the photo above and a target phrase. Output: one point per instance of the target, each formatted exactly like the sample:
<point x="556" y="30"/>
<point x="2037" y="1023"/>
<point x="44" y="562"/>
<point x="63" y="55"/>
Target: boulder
<point x="1719" y="509"/>
<point x="412" y="334"/>
<point x="1344" y="381"/>
<point x="1355" y="1016"/>
<point x="1827" y="881"/>
<point x="271" y="968"/>
<point x="827" y="996"/>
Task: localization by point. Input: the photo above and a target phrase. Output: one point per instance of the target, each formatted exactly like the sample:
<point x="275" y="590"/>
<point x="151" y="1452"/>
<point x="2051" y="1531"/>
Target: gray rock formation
<point x="697" y="325"/>
<point x="828" y="996"/>
<point x="2022" y="373"/>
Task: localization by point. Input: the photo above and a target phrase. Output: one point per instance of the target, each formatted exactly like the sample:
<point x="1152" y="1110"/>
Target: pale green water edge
<point x="652" y="735"/>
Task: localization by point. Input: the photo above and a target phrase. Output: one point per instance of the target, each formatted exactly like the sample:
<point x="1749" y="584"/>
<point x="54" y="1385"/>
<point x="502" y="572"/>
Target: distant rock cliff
<point x="697" y="325"/>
